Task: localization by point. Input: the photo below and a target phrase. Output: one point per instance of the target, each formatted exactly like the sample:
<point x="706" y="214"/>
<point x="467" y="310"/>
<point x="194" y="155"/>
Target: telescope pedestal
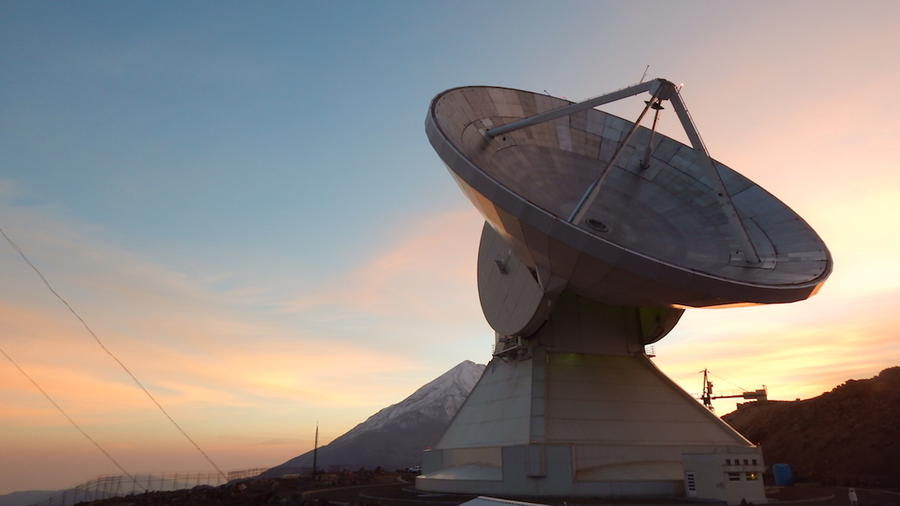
<point x="549" y="420"/>
<point x="573" y="424"/>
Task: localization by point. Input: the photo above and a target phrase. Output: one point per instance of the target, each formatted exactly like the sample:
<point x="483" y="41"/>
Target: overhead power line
<point x="729" y="382"/>
<point x="110" y="353"/>
<point x="69" y="418"/>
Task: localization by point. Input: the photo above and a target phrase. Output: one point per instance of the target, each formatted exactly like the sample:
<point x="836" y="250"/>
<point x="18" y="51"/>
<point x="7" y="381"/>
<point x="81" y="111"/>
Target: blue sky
<point x="284" y="134"/>
<point x="224" y="127"/>
<point x="241" y="199"/>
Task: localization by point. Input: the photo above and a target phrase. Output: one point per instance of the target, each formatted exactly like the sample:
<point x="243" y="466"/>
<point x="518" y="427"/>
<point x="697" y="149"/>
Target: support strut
<point x="660" y="89"/>
<point x="645" y="162"/>
<point x="590" y="195"/>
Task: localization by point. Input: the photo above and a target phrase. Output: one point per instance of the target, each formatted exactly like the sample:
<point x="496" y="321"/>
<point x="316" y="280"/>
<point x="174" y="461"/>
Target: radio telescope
<point x="599" y="233"/>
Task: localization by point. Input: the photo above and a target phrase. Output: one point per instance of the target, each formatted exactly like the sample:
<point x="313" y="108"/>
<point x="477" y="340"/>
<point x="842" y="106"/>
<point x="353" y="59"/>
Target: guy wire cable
<point x="69" y="418"/>
<point x="729" y="382"/>
<point x="110" y="353"/>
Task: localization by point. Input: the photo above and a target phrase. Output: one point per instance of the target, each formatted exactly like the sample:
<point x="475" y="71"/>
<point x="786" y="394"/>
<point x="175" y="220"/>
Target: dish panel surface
<point x="655" y="236"/>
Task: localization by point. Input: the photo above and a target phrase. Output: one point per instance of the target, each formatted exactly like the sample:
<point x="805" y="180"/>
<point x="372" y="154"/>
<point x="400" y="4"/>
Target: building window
<point x="751" y="476"/>
<point x="754" y="462"/>
<point x="734" y="476"/>
<point x="746" y="462"/>
<point x="727" y="462"/>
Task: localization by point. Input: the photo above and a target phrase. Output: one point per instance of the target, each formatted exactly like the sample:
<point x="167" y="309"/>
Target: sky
<point x="240" y="200"/>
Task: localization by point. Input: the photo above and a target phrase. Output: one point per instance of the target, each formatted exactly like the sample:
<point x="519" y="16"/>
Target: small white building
<point x="729" y="477"/>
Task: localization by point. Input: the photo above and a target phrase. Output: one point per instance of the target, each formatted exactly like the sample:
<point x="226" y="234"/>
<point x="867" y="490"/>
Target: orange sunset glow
<point x="248" y="214"/>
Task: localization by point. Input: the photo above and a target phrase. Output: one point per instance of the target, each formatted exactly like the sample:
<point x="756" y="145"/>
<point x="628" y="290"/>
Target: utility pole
<point x="316" y="453"/>
<point x="706" y="396"/>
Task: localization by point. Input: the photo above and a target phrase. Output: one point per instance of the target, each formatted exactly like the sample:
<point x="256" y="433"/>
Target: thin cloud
<point x="426" y="275"/>
<point x="217" y="365"/>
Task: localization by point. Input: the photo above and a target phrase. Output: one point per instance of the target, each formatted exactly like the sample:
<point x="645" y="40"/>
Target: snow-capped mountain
<point x="395" y="436"/>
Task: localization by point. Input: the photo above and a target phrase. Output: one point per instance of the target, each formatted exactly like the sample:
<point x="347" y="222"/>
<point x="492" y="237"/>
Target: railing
<point x="506" y="344"/>
<point x="104" y="487"/>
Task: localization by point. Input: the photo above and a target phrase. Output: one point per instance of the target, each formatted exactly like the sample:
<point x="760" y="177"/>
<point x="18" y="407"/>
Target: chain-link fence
<point x="104" y="487"/>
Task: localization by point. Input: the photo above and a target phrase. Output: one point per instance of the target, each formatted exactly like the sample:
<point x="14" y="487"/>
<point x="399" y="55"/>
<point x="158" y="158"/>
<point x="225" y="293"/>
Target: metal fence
<point x="107" y="486"/>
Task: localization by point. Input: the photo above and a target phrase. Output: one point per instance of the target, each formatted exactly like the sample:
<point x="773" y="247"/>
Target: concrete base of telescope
<point x="551" y="423"/>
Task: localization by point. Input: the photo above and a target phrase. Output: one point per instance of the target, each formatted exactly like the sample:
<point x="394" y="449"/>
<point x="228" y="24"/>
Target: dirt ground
<point x="802" y="494"/>
<point x="393" y="489"/>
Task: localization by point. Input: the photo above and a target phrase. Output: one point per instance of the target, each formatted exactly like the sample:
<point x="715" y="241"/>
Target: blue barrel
<point x="782" y="474"/>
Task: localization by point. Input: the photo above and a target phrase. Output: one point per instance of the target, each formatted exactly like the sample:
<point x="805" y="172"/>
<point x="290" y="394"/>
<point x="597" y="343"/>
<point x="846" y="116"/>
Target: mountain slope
<point x="395" y="436"/>
<point x="850" y="435"/>
<point x="25" y="497"/>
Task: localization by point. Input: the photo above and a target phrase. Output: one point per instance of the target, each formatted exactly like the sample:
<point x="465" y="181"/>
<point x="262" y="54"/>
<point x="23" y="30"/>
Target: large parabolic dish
<point x="599" y="233"/>
<point x="655" y="236"/>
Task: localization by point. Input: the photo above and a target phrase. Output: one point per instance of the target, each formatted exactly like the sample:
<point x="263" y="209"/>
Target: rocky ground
<point x="393" y="489"/>
<point x="260" y="491"/>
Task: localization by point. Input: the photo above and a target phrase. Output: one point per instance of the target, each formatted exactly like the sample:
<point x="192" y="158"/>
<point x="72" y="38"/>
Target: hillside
<point x="25" y="497"/>
<point x="395" y="436"/>
<point x="850" y="435"/>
